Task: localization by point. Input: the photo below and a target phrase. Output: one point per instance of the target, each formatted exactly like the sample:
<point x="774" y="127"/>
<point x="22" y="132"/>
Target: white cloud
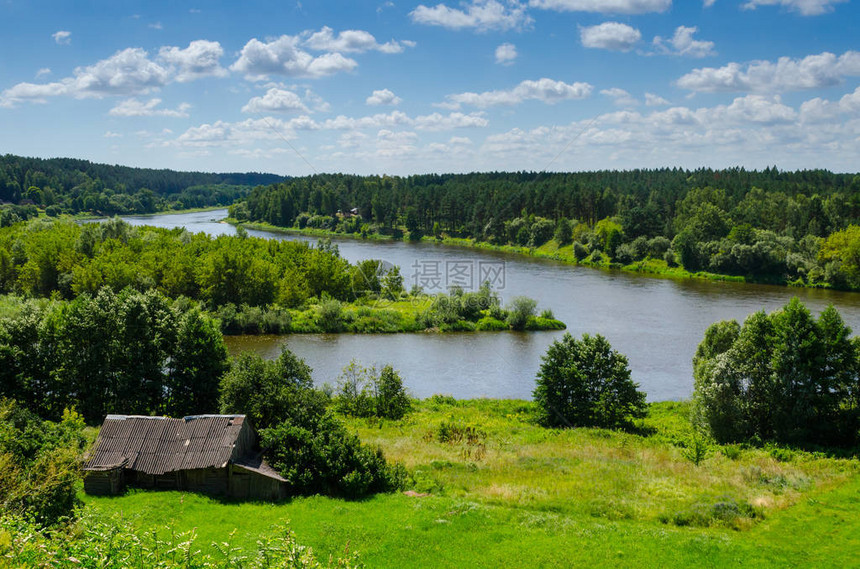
<point x="110" y="134"/>
<point x="613" y="36"/>
<point x="786" y="74"/>
<point x="481" y="15"/>
<point x="275" y="100"/>
<point x="200" y="59"/>
<point x="127" y="72"/>
<point x="357" y="41"/>
<point x="135" y="108"/>
<point x="506" y="54"/>
<point x="62" y="37"/>
<point x="604" y="6"/>
<point x="43" y="71"/>
<point x="620" y="97"/>
<point x="156" y="26"/>
<point x="460" y="141"/>
<point x="439" y="122"/>
<point x="682" y="43"/>
<point x="545" y="90"/>
<point x="708" y="3"/>
<point x="652" y="100"/>
<point x="804" y="7"/>
<point x="283" y="56"/>
<point x="383" y="97"/>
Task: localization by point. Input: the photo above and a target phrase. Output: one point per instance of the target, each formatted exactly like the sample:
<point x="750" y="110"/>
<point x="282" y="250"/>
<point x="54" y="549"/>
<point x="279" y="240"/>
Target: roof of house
<point x="157" y="445"/>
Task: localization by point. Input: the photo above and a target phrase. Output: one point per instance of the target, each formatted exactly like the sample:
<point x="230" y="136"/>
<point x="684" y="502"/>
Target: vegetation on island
<point x="798" y="228"/>
<point x="251" y="285"/>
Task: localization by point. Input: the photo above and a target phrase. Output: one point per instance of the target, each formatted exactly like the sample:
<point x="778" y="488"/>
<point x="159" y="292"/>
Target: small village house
<point x="211" y="454"/>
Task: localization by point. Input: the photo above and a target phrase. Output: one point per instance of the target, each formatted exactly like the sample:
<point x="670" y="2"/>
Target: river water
<point x="657" y="323"/>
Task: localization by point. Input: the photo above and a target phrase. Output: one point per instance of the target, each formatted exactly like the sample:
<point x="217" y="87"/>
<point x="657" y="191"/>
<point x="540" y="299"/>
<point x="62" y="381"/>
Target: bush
<point x="362" y="392"/>
<point x="585" y="383"/>
<point x="39" y="464"/>
<point x="579" y="251"/>
<point x="392" y="402"/>
<point x="329" y="316"/>
<point x="323" y="458"/>
<point x="520" y="309"/>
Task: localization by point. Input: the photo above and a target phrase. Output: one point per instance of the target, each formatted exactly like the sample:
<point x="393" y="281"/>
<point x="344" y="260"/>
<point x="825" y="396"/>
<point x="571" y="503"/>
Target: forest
<point x="67" y="185"/>
<point x="767" y="226"/>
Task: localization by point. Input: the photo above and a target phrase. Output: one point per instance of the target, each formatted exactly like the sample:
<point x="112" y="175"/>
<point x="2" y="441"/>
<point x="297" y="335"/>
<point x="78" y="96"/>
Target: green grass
<point x="510" y="493"/>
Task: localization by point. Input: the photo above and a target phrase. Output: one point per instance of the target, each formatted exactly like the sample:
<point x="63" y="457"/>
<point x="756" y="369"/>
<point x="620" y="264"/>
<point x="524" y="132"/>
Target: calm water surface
<point x="657" y="323"/>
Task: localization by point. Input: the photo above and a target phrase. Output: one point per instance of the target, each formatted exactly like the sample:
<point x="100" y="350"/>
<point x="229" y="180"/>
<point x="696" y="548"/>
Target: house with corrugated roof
<point x="211" y="454"/>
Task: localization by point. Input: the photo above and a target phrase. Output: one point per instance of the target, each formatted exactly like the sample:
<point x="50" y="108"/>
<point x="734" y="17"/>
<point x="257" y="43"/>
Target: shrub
<point x="579" y="251"/>
<point x="362" y="392"/>
<point x="585" y="383"/>
<point x="392" y="402"/>
<point x="39" y="464"/>
<point x="323" y="458"/>
<point x="490" y="324"/>
<point x="520" y="309"/>
<point x="329" y="316"/>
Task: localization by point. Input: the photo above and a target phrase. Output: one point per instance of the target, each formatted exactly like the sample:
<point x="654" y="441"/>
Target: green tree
<point x="520" y="310"/>
<point x="585" y="383"/>
<point x="783" y="377"/>
<point x="197" y="362"/>
<point x="270" y="392"/>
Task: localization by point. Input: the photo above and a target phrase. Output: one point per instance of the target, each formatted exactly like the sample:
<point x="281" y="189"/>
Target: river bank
<point x="549" y="250"/>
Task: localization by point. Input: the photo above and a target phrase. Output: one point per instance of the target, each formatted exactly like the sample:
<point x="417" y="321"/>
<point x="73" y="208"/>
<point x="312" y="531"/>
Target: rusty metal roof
<point x="156" y="445"/>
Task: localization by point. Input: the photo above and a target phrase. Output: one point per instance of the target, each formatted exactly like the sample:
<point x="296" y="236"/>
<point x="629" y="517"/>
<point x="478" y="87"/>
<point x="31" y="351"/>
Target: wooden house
<point x="212" y="454"/>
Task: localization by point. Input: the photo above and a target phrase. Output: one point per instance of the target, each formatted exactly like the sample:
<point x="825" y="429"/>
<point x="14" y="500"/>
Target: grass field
<point x="501" y="491"/>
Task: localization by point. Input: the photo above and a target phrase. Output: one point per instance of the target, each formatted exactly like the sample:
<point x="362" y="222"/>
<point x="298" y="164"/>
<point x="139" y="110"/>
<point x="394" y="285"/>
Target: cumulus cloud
<point x="804" y="7"/>
<point x="275" y="100"/>
<point x="356" y="41"/>
<point x="481" y="15"/>
<point x="127" y="72"/>
<point x="383" y="97"/>
<point x="786" y="74"/>
<point x="135" y="108"/>
<point x="613" y="36"/>
<point x="545" y="90"/>
<point x="620" y="97"/>
<point x="682" y="43"/>
<point x="754" y="130"/>
<point x="62" y="37"/>
<point x="200" y="59"/>
<point x="439" y="122"/>
<point x="604" y="6"/>
<point x="506" y="54"/>
<point x="652" y="100"/>
<point x="43" y="71"/>
<point x="283" y="56"/>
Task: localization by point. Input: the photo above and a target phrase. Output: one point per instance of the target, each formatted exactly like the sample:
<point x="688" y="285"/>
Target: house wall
<point x="105" y="482"/>
<point x="249" y="485"/>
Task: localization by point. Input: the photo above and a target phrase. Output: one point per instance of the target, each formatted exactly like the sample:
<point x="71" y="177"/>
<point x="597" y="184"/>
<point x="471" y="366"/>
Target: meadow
<point x="491" y="488"/>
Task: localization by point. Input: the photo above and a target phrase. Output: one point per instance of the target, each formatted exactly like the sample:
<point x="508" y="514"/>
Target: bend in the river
<point x="657" y="323"/>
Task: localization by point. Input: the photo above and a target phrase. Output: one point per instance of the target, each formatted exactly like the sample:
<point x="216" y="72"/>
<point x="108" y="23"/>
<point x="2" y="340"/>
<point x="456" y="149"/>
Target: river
<point x="657" y="323"/>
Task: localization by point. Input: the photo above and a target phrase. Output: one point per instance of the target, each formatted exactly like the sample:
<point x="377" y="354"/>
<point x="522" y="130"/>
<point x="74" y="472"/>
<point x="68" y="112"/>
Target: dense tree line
<point x="767" y="225"/>
<point x="69" y="185"/>
<point x="59" y="257"/>
<point x="132" y="352"/>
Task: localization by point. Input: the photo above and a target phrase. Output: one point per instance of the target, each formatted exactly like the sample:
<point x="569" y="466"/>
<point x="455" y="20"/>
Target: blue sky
<point x="393" y="87"/>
